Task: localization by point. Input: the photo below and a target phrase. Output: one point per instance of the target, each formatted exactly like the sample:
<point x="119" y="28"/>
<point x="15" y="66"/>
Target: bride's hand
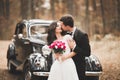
<point x="57" y="55"/>
<point x="63" y="58"/>
<point x="60" y="57"/>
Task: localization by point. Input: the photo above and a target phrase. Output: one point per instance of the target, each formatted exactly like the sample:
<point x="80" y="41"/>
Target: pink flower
<point x="58" y="46"/>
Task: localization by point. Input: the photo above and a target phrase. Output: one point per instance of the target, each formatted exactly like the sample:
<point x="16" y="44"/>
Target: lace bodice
<point x="65" y="38"/>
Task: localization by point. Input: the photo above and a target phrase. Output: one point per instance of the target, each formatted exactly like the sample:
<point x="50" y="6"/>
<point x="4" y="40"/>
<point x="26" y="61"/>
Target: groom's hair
<point x="67" y="20"/>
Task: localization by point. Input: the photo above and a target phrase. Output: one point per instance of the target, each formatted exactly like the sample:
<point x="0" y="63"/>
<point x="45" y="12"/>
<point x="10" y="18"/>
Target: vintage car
<point x="28" y="52"/>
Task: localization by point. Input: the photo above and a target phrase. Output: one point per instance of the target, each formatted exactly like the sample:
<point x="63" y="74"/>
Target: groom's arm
<point x="82" y="47"/>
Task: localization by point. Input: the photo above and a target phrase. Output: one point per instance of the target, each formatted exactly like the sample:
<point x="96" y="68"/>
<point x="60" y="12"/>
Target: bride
<point x="63" y="68"/>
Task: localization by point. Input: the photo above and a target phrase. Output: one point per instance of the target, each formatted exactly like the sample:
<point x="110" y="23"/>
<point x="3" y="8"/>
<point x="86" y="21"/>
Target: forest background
<point x="99" y="18"/>
<point x="96" y="17"/>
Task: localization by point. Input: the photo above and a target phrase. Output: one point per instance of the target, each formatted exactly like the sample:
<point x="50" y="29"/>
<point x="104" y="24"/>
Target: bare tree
<point x="7" y="9"/>
<point x="52" y="8"/>
<point x="70" y="4"/>
<point x="23" y="9"/>
<point x="1" y="7"/>
<point x="103" y="17"/>
<point x="118" y="10"/>
<point x="26" y="9"/>
<point x="87" y="16"/>
<point x="32" y="9"/>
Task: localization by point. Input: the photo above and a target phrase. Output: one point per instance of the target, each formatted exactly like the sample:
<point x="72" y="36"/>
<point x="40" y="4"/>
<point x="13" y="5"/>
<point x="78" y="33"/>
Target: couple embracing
<point x="70" y="65"/>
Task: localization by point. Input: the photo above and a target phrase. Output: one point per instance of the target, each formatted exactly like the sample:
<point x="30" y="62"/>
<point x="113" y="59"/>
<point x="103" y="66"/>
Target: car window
<point x="37" y="30"/>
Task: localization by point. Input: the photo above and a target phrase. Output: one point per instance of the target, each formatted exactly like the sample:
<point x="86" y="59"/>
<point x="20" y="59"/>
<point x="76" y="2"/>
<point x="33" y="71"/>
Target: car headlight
<point x="38" y="61"/>
<point x="46" y="50"/>
<point x="95" y="60"/>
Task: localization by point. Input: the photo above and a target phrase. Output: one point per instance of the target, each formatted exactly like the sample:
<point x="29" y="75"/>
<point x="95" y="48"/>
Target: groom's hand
<point x="71" y="44"/>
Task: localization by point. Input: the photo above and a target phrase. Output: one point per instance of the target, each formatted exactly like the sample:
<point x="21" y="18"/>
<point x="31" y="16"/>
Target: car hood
<point x="38" y="41"/>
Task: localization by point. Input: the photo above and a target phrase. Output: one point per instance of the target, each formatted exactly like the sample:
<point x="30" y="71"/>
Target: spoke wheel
<point x="28" y="75"/>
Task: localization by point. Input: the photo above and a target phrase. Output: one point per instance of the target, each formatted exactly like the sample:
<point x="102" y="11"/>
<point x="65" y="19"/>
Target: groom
<point x="80" y="47"/>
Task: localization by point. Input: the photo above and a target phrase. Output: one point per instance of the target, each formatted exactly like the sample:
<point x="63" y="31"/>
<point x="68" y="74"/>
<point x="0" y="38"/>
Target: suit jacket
<point x="82" y="50"/>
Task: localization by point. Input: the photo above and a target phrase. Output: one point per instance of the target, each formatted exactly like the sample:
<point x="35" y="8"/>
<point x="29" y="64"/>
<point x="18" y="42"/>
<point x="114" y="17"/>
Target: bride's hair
<point x="51" y="32"/>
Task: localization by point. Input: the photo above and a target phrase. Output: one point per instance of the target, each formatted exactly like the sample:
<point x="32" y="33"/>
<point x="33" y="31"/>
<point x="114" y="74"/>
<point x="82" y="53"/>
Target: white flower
<point x="62" y="47"/>
<point x="56" y="47"/>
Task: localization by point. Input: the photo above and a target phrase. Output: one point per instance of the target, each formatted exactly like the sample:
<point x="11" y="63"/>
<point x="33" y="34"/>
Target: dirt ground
<point x="4" y="74"/>
<point x="107" y="50"/>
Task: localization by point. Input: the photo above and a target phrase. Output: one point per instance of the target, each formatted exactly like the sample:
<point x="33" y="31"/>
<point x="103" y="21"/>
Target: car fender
<point x="11" y="51"/>
<point x="93" y="63"/>
<point x="29" y="61"/>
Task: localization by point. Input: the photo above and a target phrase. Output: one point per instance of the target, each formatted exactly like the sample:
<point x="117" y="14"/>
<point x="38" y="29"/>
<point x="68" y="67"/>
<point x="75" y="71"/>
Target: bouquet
<point x="58" y="46"/>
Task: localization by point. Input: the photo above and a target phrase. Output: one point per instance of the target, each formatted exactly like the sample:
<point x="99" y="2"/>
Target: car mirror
<point x="20" y="36"/>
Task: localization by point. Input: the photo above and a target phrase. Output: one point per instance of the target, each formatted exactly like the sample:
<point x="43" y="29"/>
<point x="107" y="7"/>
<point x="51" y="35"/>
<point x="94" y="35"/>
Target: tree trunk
<point x="53" y="9"/>
<point x="87" y="16"/>
<point x="29" y="12"/>
<point x="26" y="9"/>
<point x="22" y="9"/>
<point x="103" y="17"/>
<point x="32" y="9"/>
<point x="1" y="7"/>
<point x="70" y="4"/>
<point x="7" y="9"/>
<point x="94" y="5"/>
<point x="118" y="10"/>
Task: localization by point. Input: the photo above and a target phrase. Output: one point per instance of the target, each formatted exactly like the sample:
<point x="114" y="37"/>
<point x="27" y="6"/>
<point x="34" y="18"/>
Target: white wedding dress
<point x="65" y="70"/>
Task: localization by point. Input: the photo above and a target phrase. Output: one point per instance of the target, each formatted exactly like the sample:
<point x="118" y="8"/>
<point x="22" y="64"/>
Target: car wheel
<point x="11" y="67"/>
<point x="92" y="78"/>
<point x="27" y="73"/>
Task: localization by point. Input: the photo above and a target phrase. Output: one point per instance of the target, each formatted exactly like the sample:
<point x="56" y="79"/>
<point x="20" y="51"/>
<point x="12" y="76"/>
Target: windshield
<point x="38" y="31"/>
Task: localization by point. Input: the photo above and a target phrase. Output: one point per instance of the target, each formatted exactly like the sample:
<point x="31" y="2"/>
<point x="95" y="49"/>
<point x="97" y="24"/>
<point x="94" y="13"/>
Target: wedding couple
<point x="71" y="64"/>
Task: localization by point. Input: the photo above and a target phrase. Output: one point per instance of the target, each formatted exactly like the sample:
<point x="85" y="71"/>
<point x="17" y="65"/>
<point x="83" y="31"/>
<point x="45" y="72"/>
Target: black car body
<point x="28" y="52"/>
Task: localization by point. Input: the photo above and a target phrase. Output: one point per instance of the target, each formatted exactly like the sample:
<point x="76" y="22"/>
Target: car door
<point x="19" y="41"/>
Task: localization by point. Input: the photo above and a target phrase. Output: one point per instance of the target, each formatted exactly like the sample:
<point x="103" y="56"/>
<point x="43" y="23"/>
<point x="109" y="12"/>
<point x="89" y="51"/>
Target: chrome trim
<point x="87" y="73"/>
<point x="41" y="73"/>
<point x="93" y="73"/>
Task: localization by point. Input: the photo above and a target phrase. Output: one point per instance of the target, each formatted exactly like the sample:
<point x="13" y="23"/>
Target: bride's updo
<point x="51" y="32"/>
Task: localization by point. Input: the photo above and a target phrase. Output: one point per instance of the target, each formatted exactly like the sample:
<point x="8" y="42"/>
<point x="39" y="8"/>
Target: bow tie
<point x="70" y="33"/>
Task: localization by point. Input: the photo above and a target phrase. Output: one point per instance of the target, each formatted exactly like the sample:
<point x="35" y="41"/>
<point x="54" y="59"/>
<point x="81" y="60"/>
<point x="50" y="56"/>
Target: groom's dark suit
<point x="82" y="50"/>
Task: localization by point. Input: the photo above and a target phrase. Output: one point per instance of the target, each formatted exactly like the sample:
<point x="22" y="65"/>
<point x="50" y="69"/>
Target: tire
<point x="27" y="75"/>
<point x="11" y="67"/>
<point x="92" y="78"/>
